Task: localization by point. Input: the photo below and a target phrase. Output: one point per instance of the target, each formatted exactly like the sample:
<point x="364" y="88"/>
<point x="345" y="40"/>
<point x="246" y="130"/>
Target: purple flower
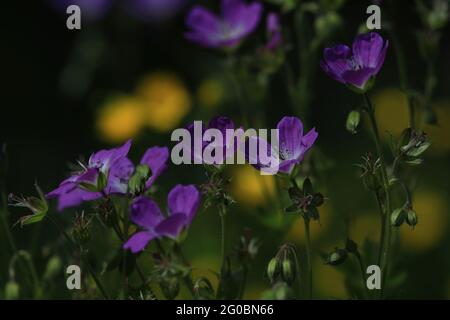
<point x="183" y="202"/>
<point x="90" y="9"/>
<point x="222" y="124"/>
<point x="356" y="66"/>
<point x="106" y="172"/>
<point x="238" y="19"/>
<point x="293" y="146"/>
<point x="273" y="31"/>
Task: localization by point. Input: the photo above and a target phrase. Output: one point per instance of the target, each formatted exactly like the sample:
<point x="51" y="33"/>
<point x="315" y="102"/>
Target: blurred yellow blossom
<point x="328" y="281"/>
<point x="166" y="100"/>
<point x="120" y="119"/>
<point x="365" y="226"/>
<point x="432" y="211"/>
<point x="391" y="110"/>
<point x="439" y="133"/>
<point x="251" y="188"/>
<point x="210" y="93"/>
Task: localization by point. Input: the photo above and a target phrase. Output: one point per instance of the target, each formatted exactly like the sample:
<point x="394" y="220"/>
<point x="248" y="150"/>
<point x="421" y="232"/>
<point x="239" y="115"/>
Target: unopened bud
<point x="411" y="218"/>
<point x="139" y="178"/>
<point x="397" y="217"/>
<point x="288" y="271"/>
<point x="353" y="120"/>
<point x="273" y="269"/>
<point x="337" y="257"/>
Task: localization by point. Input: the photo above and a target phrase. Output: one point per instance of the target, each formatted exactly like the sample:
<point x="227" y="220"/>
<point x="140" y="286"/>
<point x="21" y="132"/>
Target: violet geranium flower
<point x="356" y="67"/>
<point x="183" y="202"/>
<point x="220" y="123"/>
<point x="106" y="172"/>
<point x="293" y="146"/>
<point x="237" y="20"/>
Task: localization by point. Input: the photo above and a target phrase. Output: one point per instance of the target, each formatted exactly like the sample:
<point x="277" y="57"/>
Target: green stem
<point x="6" y="229"/>
<point x="308" y="257"/>
<point x="222" y="214"/>
<point x="363" y="273"/>
<point x="386" y="233"/>
<point x="83" y="257"/>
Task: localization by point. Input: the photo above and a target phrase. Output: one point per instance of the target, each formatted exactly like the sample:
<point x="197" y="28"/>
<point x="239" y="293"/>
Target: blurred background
<point x="130" y="73"/>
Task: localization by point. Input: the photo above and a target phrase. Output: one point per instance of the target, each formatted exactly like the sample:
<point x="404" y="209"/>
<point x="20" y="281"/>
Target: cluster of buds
<point x="371" y="174"/>
<point x="283" y="267"/>
<point x="305" y="200"/>
<point x="404" y="214"/>
<point x="137" y="182"/>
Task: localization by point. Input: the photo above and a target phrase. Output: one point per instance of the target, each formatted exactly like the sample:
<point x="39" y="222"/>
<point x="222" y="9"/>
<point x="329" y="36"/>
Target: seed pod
<point x="411" y="218"/>
<point x="397" y="217"/>
<point x="288" y="271"/>
<point x="273" y="269"/>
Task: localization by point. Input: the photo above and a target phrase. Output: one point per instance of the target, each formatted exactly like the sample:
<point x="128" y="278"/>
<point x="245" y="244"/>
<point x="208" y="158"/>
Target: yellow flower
<point x="120" y="119"/>
<point x="391" y="111"/>
<point x="166" y="101"/>
<point x="432" y="211"/>
<point x="251" y="188"/>
<point x="210" y="93"/>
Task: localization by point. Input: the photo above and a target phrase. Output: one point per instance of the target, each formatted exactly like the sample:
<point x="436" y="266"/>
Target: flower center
<point x="353" y="64"/>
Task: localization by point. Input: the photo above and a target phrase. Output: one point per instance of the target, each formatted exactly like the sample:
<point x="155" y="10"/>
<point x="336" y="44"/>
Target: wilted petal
<point x="172" y="226"/>
<point x="145" y="213"/>
<point x="156" y="159"/>
<point x="290" y="134"/>
<point x="185" y="200"/>
<point x="139" y="241"/>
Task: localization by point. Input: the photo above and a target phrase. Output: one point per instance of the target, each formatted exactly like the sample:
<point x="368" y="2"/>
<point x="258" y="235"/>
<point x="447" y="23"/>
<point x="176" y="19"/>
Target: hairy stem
<point x="386" y="227"/>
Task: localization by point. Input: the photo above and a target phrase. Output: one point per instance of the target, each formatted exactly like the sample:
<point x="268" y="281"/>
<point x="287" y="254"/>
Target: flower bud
<point x="397" y="217"/>
<point x="353" y="120"/>
<point x="38" y="206"/>
<point x="273" y="269"/>
<point x="139" y="178"/>
<point x="12" y="290"/>
<point x="53" y="267"/>
<point x="411" y="218"/>
<point x="337" y="257"/>
<point x="288" y="271"/>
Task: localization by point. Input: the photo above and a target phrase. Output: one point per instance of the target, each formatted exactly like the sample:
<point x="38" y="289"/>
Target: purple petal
<point x="103" y="159"/>
<point x="358" y="78"/>
<point x="335" y="61"/>
<point x="145" y="213"/>
<point x="287" y="166"/>
<point x="156" y="159"/>
<point x="241" y="18"/>
<point x="139" y="241"/>
<point x="119" y="174"/>
<point x="367" y="49"/>
<point x="90" y="176"/>
<point x="381" y="57"/>
<point x="290" y="134"/>
<point x="205" y="27"/>
<point x="172" y="226"/>
<point x="309" y="139"/>
<point x="185" y="200"/>
<point x="75" y="197"/>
